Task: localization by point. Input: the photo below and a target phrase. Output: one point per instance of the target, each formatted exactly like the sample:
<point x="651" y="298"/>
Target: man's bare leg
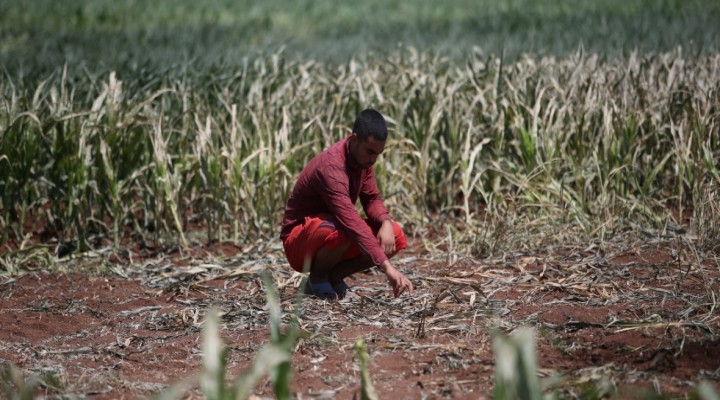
<point x="348" y="267"/>
<point x="325" y="261"/>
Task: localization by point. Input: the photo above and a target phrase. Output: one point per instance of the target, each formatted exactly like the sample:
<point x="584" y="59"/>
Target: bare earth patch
<point x="643" y="316"/>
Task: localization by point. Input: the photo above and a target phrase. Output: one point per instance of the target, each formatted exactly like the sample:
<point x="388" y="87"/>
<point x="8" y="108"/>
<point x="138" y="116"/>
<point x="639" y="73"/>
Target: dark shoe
<point x="341" y="289"/>
<point x="321" y="290"/>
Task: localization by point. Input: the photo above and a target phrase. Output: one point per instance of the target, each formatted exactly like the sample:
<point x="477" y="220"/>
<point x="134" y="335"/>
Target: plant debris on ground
<point x="622" y="316"/>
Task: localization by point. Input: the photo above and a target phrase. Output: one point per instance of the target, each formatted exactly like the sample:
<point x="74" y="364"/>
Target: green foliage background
<point x="128" y="35"/>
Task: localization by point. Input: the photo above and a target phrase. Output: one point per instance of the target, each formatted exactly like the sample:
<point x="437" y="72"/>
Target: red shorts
<point x="321" y="231"/>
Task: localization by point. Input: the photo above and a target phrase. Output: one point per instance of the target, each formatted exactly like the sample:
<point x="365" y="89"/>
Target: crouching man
<point x="322" y="232"/>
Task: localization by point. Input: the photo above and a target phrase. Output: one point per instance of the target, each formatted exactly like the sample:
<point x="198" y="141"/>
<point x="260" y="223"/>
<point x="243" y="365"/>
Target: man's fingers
<point x="400" y="288"/>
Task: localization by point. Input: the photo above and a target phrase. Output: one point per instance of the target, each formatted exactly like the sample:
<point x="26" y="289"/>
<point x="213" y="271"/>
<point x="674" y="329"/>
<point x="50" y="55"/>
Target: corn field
<point x="599" y="145"/>
<point x="556" y="164"/>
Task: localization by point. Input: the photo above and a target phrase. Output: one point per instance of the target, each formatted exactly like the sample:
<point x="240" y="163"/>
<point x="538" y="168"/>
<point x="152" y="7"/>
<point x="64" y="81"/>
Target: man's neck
<point x="349" y="160"/>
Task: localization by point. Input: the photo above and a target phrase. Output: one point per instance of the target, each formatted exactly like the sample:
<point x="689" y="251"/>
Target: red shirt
<point x="332" y="183"/>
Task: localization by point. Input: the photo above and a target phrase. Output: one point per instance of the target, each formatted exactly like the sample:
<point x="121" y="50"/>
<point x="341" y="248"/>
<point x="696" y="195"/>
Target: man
<point x="322" y="231"/>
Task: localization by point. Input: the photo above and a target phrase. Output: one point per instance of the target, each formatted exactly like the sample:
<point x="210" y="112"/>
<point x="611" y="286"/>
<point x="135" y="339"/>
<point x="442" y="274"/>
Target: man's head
<point x="368" y="137"/>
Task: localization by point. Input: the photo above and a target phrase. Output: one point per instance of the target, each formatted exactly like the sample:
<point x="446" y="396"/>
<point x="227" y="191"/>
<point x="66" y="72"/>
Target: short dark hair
<point x="370" y="123"/>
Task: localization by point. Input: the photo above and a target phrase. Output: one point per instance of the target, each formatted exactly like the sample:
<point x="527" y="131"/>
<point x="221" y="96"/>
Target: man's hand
<point x="386" y="237"/>
<point x="397" y="280"/>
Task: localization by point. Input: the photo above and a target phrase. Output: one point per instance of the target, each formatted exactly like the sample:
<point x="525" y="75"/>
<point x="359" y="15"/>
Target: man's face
<point x="365" y="152"/>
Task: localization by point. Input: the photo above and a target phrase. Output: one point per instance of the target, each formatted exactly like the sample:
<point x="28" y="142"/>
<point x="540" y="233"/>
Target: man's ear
<point x="353" y="138"/>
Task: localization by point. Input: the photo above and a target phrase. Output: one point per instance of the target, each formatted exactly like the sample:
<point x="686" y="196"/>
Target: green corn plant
<point x="282" y="342"/>
<point x="210" y="165"/>
<point x="515" y="366"/>
<point x="528" y="149"/>
<point x="705" y="391"/>
<point x="165" y="182"/>
<point x="273" y="358"/>
<point x="21" y="149"/>
<point x="367" y="390"/>
<point x="516" y="374"/>
<point x="212" y="380"/>
<point x="114" y="187"/>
